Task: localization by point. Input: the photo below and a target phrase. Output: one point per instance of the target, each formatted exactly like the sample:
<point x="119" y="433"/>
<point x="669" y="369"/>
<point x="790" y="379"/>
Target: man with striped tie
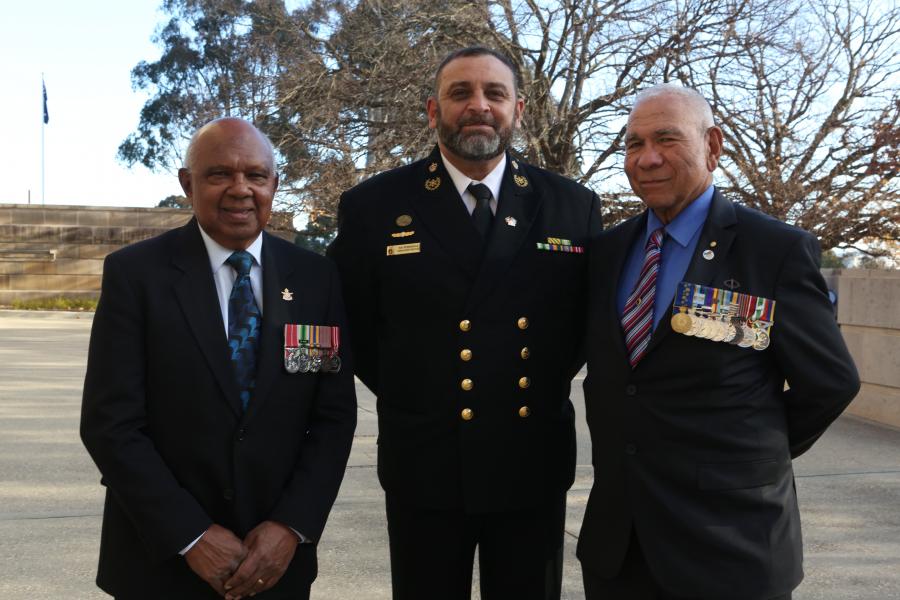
<point x="221" y="462"/>
<point x="693" y="428"/>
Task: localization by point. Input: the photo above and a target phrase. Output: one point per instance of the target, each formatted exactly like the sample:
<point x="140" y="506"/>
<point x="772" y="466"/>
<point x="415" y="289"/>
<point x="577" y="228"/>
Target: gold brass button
<point x="524" y="382"/>
<point x="522" y="322"/>
<point x="467" y="414"/>
<point x="466" y="384"/>
<point x="525" y="353"/>
<point x="465" y="325"/>
<point x="465" y="354"/>
<point x="524" y="411"/>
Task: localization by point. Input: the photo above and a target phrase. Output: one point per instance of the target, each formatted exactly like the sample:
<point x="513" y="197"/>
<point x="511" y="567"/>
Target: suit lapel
<point x="619" y="248"/>
<point x="276" y="312"/>
<point x="717" y="236"/>
<point x="517" y="211"/>
<point x="196" y="293"/>
<point x="438" y="205"/>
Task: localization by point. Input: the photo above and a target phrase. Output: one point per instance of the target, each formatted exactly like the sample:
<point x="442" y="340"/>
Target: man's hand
<point x="270" y="548"/>
<point x="215" y="556"/>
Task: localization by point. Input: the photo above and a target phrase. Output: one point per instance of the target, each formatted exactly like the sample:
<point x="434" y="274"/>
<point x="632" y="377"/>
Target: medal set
<point x="311" y="348"/>
<point x="722" y="315"/>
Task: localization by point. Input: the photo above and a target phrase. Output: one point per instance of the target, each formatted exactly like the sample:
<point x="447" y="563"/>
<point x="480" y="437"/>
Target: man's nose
<point x="479" y="102"/>
<point x="650" y="157"/>
<point x="240" y="186"/>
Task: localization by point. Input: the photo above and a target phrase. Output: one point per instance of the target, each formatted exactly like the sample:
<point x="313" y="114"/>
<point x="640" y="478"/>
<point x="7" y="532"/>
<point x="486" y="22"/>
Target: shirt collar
<point x="686" y="223"/>
<point x="461" y="181"/>
<point x="218" y="253"/>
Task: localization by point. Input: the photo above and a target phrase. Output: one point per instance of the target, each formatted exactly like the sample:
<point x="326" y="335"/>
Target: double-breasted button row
<point x="468" y="414"/>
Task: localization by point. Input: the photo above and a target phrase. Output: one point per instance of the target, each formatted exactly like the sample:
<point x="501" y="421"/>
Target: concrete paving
<point x="51" y="499"/>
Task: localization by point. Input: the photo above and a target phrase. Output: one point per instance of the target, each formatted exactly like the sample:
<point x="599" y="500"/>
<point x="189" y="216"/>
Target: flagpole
<point x="43" y="124"/>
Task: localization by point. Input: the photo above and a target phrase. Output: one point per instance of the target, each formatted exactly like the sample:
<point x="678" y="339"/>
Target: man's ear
<point x="714" y="142"/>
<point x="520" y="110"/>
<point x="431" y="107"/>
<point x="184" y="178"/>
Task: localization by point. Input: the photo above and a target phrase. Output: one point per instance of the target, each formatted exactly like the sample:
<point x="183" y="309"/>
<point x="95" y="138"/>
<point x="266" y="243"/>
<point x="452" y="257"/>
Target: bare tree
<point x="340" y="86"/>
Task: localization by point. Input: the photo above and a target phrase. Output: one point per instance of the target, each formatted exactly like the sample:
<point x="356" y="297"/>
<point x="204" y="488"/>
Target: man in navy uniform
<point x="692" y="427"/>
<point x="220" y="464"/>
<point x="464" y="276"/>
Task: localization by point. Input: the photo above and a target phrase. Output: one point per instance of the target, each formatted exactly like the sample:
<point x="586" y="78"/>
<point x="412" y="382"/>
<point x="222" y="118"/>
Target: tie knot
<point x="241" y="261"/>
<point x="480" y="191"/>
<point x="656" y="238"/>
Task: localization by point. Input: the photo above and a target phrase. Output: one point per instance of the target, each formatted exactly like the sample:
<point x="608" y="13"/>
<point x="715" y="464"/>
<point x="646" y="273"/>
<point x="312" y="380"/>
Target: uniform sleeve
<point x="809" y="348"/>
<point x="351" y="252"/>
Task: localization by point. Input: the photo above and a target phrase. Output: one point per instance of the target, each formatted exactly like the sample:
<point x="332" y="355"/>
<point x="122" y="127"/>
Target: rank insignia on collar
<point x="432" y="183"/>
<point x="287" y="294"/>
<point x="432" y="167"/>
<point x="515" y="165"/>
<point x="520" y="180"/>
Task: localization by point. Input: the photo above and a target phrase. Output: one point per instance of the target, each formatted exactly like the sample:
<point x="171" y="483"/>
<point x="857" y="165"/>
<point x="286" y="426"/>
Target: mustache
<point x="477" y="120"/>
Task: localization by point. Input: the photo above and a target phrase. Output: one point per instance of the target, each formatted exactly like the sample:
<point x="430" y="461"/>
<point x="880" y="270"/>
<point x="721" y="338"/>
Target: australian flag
<point x="46" y="114"/>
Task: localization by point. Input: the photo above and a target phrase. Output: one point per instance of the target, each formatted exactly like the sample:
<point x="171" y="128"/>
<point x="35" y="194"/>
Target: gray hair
<point x="191" y="151"/>
<point x="692" y="98"/>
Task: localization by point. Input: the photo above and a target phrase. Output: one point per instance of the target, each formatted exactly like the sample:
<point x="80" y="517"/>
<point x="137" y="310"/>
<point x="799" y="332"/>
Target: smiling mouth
<point x="238" y="214"/>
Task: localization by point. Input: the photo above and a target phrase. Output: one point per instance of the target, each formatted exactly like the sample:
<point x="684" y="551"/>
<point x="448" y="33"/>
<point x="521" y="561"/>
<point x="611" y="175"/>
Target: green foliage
<point x="317" y="234"/>
<point x="830" y="260"/>
<point x="57" y="303"/>
<point x="174" y="202"/>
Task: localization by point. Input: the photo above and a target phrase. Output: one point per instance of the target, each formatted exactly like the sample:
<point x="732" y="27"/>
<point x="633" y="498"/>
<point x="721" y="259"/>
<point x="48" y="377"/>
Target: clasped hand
<point x="237" y="569"/>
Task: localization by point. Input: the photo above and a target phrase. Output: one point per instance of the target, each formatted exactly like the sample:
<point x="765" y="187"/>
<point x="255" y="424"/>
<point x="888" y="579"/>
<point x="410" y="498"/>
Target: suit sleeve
<point x="809" y="348"/>
<point x="114" y="424"/>
<point x="308" y="498"/>
<point x="350" y="251"/>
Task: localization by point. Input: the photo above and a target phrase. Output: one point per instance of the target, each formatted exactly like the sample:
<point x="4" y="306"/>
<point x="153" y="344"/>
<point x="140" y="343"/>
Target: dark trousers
<point x="519" y="552"/>
<point x="634" y="581"/>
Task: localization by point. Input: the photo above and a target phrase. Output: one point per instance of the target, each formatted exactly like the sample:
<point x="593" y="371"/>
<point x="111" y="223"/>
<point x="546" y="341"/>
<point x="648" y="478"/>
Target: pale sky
<point x="86" y="51"/>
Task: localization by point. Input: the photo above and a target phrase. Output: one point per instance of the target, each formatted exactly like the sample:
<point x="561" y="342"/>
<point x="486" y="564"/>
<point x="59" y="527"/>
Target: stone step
<point x="92" y="216"/>
<point x="7" y="297"/>
<point x="77" y="234"/>
<point x="62" y="266"/>
<point x="62" y="284"/>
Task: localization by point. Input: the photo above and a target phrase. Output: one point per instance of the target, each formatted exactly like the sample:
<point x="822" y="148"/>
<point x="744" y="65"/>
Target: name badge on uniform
<point x="398" y="249"/>
<point x="723" y="315"/>
<point x="312" y="348"/>
<point x="559" y="245"/>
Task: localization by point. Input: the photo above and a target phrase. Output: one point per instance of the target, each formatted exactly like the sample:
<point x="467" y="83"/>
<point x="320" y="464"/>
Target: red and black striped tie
<point x="637" y="318"/>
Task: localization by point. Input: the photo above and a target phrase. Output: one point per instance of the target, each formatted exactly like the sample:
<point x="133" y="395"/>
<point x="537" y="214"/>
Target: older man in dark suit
<point x="221" y="460"/>
<point x="465" y="278"/>
<point x="701" y="311"/>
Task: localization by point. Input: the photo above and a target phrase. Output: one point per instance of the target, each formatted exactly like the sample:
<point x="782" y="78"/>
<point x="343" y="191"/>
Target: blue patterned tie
<point x="243" y="325"/>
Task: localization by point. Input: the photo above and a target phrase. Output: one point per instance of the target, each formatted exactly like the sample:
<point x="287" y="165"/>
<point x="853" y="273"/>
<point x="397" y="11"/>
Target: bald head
<point x="695" y="104"/>
<point x="229" y="126"/>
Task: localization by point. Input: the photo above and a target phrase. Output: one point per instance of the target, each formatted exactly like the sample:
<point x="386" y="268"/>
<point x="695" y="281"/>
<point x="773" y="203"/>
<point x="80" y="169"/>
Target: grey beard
<point x="474" y="147"/>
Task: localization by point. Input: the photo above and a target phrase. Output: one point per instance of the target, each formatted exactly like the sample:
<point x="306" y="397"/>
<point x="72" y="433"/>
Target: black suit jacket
<point x="162" y="419"/>
<point x="693" y="447"/>
<point x="406" y="310"/>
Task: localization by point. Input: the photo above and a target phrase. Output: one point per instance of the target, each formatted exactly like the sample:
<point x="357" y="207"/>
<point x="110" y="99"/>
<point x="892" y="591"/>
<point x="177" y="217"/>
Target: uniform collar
<point x="218" y="253"/>
<point x="461" y="181"/>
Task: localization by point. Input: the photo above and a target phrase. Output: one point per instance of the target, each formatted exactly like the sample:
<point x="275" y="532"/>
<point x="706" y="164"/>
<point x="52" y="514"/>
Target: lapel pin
<point x="287" y="294"/>
<point x="732" y="284"/>
<point x="520" y="180"/>
<point x="403" y="220"/>
<point x="432" y="184"/>
<point x="709" y="254"/>
<point x="432" y="167"/>
<point x="515" y="165"/>
<point x="511" y="221"/>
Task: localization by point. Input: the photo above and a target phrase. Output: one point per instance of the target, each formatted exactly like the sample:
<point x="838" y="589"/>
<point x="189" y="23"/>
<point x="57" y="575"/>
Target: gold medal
<point x="681" y="322"/>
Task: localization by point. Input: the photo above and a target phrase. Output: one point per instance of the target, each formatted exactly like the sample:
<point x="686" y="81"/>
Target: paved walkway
<point x="51" y="499"/>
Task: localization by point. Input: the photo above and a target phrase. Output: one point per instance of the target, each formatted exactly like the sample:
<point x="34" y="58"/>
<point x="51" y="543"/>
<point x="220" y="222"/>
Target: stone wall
<point x="48" y="251"/>
<point x="869" y="315"/>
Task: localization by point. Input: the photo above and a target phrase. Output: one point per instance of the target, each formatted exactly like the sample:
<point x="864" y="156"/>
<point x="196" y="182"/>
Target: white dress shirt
<point x="461" y="182"/>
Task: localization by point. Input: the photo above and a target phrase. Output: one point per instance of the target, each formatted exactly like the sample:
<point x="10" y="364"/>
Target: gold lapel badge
<point x="403" y="220"/>
<point x="287" y="295"/>
<point x="402" y="234"/>
<point x="432" y="183"/>
<point x="511" y="221"/>
<point x="520" y="180"/>
<point x="432" y="167"/>
<point x="515" y="165"/>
